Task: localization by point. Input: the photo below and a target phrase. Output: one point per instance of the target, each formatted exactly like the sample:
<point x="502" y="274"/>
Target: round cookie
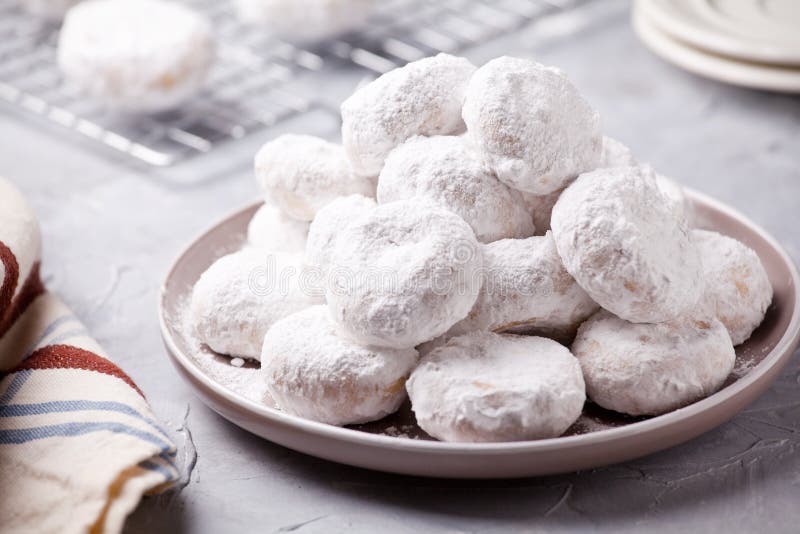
<point x="241" y="295"/>
<point x="531" y="125"/>
<point x="674" y="192"/>
<point x="616" y="154"/>
<point x="527" y="290"/>
<point x="137" y="56"/>
<point x="447" y="171"/>
<point x="271" y="230"/>
<point x="422" y="98"/>
<point x="650" y="369"/>
<point x="403" y="274"/>
<point x="306" y="21"/>
<point x="329" y="223"/>
<point x="487" y="387"/>
<point x="738" y="290"/>
<point x="626" y="246"/>
<point x="301" y="174"/>
<point x="313" y="372"/>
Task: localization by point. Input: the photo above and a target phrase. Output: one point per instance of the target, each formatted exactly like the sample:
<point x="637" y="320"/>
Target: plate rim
<point x="776" y="358"/>
<point x="725" y="69"/>
<point x="665" y="15"/>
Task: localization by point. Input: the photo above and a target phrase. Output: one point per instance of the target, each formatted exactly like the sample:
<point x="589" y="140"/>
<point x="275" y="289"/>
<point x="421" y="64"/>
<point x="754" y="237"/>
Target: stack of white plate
<point x="753" y="43"/>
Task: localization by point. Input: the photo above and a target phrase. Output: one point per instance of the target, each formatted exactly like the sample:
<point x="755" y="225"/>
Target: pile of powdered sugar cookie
<point x="478" y="246"/>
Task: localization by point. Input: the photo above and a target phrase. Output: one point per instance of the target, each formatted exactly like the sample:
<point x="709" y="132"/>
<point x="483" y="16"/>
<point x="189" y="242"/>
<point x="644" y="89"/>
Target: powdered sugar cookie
<point x="136" y="55"/>
<point x="527" y="290"/>
<point x="329" y="223"/>
<point x="650" y="369"/>
<point x="486" y="387"/>
<point x="738" y="290"/>
<point x="271" y="230"/>
<point x="241" y="295"/>
<point x="309" y="20"/>
<point x="422" y="98"/>
<point x="313" y="372"/>
<point x="626" y="247"/>
<point x="302" y="173"/>
<point x="446" y="170"/>
<point x="674" y="192"/>
<point x="616" y="154"/>
<point x="531" y="125"/>
<point x="403" y="274"/>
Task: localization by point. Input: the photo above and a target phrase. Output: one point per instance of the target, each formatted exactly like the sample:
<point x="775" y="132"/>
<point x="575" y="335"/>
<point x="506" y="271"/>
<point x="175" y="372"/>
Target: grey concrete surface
<point x="111" y="231"/>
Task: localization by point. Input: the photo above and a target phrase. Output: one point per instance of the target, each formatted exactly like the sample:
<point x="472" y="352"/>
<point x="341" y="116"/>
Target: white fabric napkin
<point x="79" y="445"/>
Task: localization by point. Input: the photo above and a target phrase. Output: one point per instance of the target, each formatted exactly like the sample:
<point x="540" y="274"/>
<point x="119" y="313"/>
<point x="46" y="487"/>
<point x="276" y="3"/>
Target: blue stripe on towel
<point x="153" y="466"/>
<point x="17" y="436"/>
<point x="76" y="332"/>
<point x="21" y="410"/>
<point x="16" y="383"/>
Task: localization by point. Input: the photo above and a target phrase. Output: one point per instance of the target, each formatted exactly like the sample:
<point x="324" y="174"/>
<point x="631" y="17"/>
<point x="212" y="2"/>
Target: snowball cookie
<point x="650" y="369"/>
<point x="48" y="9"/>
<point x="329" y="223"/>
<point x="302" y="173"/>
<point x="271" y="230"/>
<point x="627" y="246"/>
<point x="446" y="170"/>
<point x="136" y="55"/>
<point x="497" y="387"/>
<point x="531" y="124"/>
<point x="403" y="274"/>
<point x="541" y="209"/>
<point x="241" y="295"/>
<point x="313" y="372"/>
<point x="422" y="98"/>
<point x="738" y="290"/>
<point x="528" y="290"/>
<point x="306" y="21"/>
<point x="675" y="194"/>
<point x="616" y="154"/>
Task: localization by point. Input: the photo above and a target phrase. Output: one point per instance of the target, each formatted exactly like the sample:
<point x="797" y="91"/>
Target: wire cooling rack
<point x="250" y="87"/>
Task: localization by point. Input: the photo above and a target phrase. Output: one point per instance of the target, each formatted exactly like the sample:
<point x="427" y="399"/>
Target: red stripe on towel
<point x="69" y="357"/>
<point x="31" y="289"/>
<point x="10" y="279"/>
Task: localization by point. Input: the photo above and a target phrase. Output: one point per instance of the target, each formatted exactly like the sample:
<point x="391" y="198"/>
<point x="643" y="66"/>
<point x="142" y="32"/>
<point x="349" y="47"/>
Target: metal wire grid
<point x="247" y="90"/>
<point x="250" y="87"/>
<point x="407" y="30"/>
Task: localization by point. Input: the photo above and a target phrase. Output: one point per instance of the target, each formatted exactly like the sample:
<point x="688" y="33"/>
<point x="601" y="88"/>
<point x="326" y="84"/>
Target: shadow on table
<point x="167" y="512"/>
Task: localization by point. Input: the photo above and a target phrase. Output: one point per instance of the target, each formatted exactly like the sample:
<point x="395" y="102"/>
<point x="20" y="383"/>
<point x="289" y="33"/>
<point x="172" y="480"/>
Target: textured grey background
<point x="112" y="230"/>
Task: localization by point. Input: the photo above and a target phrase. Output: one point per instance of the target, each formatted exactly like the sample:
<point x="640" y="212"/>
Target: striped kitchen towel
<point x="79" y="445"/>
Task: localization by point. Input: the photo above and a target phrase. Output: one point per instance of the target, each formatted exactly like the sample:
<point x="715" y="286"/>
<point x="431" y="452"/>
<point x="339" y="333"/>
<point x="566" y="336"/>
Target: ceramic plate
<point x="397" y="445"/>
<point x="763" y="32"/>
<point x="717" y="67"/>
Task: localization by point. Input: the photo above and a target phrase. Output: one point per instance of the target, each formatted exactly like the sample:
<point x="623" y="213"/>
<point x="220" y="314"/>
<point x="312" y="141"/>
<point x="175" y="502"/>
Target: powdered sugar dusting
<point x="627" y="246"/>
<point x="136" y="55"/>
<point x="448" y="171"/>
<point x="314" y="372"/>
<point x="531" y="125"/>
<point x="422" y="98"/>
